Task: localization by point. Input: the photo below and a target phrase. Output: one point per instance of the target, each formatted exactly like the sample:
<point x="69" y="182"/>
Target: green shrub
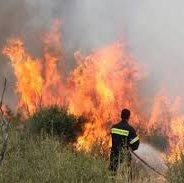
<point x="41" y="160"/>
<point x="45" y="159"/>
<point x="55" y="120"/>
<point x="34" y="157"/>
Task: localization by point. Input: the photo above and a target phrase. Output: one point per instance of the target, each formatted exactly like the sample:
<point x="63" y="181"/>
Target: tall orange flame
<point x="100" y="86"/>
<point x="28" y="74"/>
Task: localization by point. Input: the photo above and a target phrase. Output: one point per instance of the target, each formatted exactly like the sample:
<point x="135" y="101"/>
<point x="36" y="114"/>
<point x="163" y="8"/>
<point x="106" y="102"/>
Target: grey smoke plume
<point x="152" y="31"/>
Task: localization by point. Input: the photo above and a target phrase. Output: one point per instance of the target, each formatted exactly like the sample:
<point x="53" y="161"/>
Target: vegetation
<point x="175" y="172"/>
<point x="55" y="120"/>
<point x="45" y="159"/>
<point x="44" y="154"/>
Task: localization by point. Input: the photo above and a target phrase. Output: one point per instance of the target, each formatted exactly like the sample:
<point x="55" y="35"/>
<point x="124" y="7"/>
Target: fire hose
<point x="147" y="165"/>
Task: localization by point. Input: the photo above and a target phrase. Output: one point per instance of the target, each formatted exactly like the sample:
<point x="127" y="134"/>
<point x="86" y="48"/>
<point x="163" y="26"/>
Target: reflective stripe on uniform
<point x="120" y="131"/>
<point x="134" y="140"/>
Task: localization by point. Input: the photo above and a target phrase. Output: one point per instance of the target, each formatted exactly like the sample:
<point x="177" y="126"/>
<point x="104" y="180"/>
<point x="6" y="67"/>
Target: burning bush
<point x="55" y="120"/>
<point x="102" y="83"/>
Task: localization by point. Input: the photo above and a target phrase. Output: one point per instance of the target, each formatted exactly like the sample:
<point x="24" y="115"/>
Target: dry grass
<point x="46" y="159"/>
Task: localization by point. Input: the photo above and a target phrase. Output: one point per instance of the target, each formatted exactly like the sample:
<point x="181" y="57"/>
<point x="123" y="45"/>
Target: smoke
<point x="153" y="157"/>
<point x="12" y="17"/>
<point x="152" y="32"/>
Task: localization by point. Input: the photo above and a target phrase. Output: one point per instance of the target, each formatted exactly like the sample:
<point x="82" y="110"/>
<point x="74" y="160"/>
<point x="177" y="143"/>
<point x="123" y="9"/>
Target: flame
<point x="167" y="118"/>
<point x="28" y="74"/>
<point x="101" y="84"/>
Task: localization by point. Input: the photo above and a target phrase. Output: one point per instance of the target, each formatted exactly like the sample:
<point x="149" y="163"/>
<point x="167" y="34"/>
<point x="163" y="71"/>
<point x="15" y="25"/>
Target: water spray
<point x="147" y="165"/>
<point x="142" y="152"/>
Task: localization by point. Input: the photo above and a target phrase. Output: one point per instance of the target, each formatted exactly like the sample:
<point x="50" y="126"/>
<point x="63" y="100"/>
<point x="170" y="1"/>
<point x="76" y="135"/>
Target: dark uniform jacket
<point x="124" y="137"/>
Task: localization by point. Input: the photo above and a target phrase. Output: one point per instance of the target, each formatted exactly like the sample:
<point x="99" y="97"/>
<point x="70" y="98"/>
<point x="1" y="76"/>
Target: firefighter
<point x="124" y="140"/>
